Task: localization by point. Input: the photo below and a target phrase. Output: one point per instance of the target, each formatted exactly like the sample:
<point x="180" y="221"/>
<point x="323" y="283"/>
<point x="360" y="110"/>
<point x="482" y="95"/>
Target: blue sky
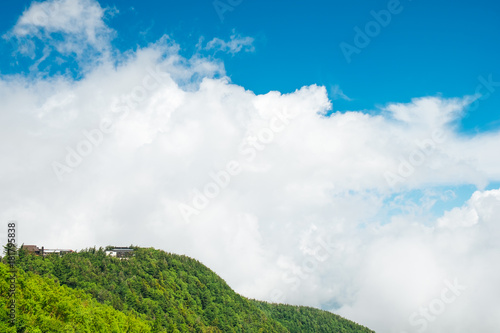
<point x="428" y="48"/>
<point x="341" y="154"/>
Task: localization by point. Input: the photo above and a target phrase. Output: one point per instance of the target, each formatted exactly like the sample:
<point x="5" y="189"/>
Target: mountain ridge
<point x="171" y="293"/>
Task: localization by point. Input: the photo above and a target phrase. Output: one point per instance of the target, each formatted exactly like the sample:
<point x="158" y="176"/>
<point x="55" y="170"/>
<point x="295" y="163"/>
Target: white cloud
<point x="307" y="215"/>
<point x="67" y="26"/>
<point x="407" y="267"/>
<point x="431" y="112"/>
<point x="235" y="44"/>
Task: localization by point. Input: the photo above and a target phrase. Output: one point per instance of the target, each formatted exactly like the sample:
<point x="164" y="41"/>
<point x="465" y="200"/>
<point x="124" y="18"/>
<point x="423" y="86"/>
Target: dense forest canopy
<point x="153" y="291"/>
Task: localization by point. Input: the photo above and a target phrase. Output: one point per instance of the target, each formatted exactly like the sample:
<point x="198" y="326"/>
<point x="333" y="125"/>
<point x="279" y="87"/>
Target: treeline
<point x="155" y="291"/>
<point x="302" y="319"/>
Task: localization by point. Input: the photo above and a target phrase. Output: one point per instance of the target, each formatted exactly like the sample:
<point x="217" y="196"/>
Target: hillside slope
<point x="302" y="319"/>
<point x="45" y="306"/>
<point x="172" y="293"/>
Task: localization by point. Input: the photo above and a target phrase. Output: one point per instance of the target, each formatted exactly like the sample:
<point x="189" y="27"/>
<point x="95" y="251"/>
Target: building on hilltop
<point x="121" y="252"/>
<point x="57" y="251"/>
<point x="33" y="249"/>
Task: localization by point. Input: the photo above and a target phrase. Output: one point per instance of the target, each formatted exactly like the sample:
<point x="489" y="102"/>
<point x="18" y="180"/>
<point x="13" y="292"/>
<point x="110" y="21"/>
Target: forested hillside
<point x="45" y="306"/>
<point x="163" y="292"/>
<point x="302" y="319"/>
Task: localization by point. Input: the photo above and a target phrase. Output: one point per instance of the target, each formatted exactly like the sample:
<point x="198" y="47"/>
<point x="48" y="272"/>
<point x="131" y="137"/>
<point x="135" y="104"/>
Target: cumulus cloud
<point x="284" y="202"/>
<point x="69" y="27"/>
<point x="408" y="269"/>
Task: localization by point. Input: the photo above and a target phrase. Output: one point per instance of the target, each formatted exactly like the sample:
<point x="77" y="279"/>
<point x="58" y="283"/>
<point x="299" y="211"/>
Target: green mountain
<point x="153" y="291"/>
<point x="45" y="306"/>
<point x="303" y="319"/>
